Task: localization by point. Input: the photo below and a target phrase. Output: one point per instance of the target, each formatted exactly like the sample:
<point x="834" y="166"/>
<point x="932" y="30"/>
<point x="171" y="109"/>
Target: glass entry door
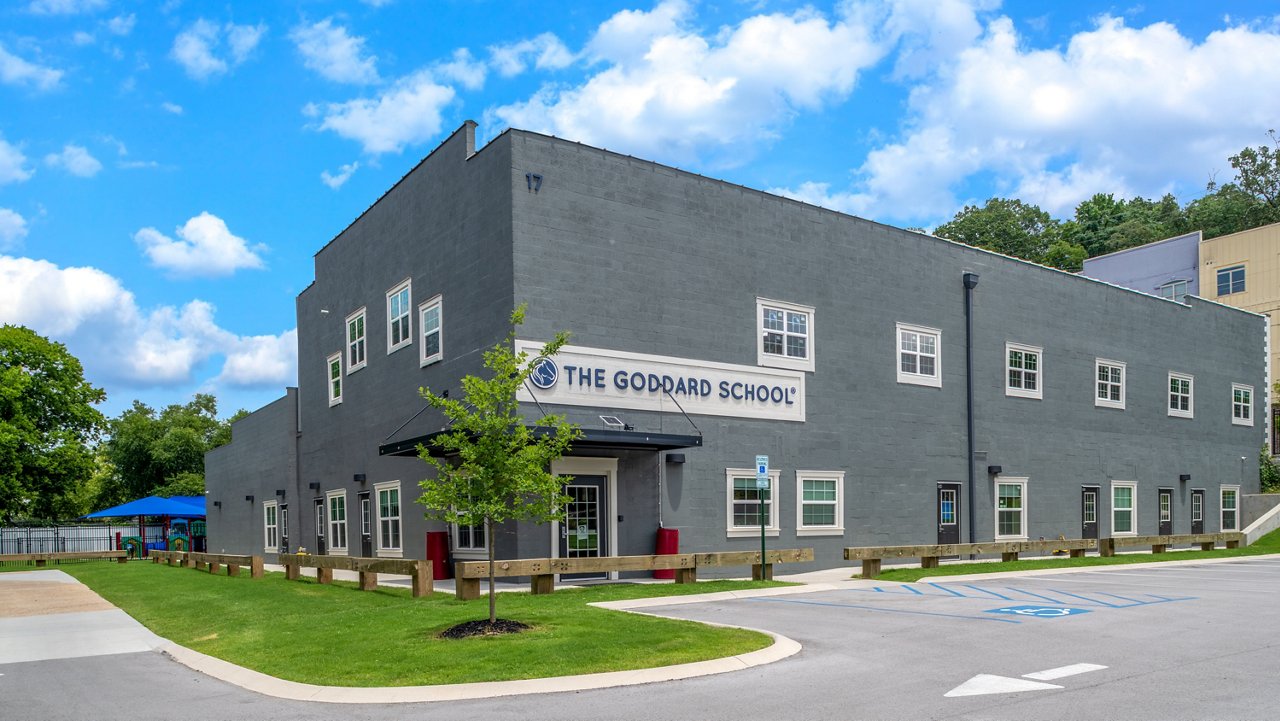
<point x="583" y="533"/>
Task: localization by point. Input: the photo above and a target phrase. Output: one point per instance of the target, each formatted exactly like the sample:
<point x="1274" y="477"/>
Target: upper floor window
<point x="1023" y="366"/>
<point x="786" y="335"/>
<point x="1109" y="391"/>
<point x="431" y="320"/>
<point x="1231" y="280"/>
<point x="398" y="316"/>
<point x="1241" y="404"/>
<point x="356" y="358"/>
<point x="1180" y="397"/>
<point x="919" y="356"/>
<point x="1174" y="290"/>
<point x="334" y="365"/>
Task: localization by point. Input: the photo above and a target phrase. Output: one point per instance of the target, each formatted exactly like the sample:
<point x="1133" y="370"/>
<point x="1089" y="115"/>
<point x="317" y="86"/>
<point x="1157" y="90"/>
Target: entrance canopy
<point x="177" y="506"/>
<point x="599" y="439"/>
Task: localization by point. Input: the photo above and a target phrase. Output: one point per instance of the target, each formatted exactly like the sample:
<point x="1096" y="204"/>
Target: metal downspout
<point x="970" y="282"/>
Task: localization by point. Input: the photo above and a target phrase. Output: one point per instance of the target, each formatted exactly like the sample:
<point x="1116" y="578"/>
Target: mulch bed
<point x="471" y="629"/>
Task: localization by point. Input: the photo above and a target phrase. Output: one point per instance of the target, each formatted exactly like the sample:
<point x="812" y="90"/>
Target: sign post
<point x="762" y="493"/>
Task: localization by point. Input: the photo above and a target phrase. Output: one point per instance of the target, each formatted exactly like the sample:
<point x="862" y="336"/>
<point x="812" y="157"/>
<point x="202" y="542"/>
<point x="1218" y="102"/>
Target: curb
<point x="1089" y="569"/>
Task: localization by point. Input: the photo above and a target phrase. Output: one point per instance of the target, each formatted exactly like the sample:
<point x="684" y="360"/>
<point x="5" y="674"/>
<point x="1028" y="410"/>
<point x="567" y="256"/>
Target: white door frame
<point x="583" y="466"/>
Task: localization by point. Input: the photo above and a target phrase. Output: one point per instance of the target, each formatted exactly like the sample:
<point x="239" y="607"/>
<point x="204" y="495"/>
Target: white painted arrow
<point x="985" y="683"/>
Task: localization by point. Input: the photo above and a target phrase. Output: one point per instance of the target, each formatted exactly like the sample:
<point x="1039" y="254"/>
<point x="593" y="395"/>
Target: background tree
<point x="47" y="421"/>
<point x="1258" y="173"/>
<point x="497" y="468"/>
<point x="1007" y="226"/>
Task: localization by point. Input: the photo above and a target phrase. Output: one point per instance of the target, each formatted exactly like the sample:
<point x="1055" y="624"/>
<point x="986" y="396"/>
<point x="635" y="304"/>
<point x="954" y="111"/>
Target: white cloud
<point x="377" y="3"/>
<point x="339" y="179"/>
<point x="65" y="7"/>
<point x="668" y="92"/>
<point x="330" y="51"/>
<point x="463" y="70"/>
<point x="13" y="164"/>
<point x="171" y="108"/>
<point x="82" y="38"/>
<point x="13" y="228"/>
<point x="74" y="159"/>
<point x="16" y="71"/>
<point x="198" y="48"/>
<point x="122" y="24"/>
<point x="546" y="51"/>
<point x="205" y="247"/>
<point x="407" y="112"/>
<point x="101" y="323"/>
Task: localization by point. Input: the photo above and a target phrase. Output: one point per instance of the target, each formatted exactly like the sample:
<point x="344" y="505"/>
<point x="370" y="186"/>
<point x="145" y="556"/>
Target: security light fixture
<point x="280" y="492"/>
<point x="995" y="470"/>
<point x="359" y="478"/>
<point x="249" y="498"/>
<point x="675" y="458"/>
<point x="313" y="486"/>
<point x="1184" y="477"/>
<point x="217" y="504"/>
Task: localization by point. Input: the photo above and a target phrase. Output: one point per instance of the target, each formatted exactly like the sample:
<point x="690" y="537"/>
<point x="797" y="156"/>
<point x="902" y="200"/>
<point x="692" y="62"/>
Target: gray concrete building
<point x="712" y="323"/>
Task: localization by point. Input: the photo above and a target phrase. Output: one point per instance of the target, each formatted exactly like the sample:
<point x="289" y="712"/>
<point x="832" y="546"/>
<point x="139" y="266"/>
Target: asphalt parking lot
<point x="1138" y="642"/>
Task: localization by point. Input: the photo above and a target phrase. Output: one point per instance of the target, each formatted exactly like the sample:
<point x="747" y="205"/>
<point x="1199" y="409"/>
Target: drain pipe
<point x="970" y="282"/>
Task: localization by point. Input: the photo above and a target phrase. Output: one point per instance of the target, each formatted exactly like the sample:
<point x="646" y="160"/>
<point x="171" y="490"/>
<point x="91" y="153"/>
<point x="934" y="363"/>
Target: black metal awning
<point x="592" y="439"/>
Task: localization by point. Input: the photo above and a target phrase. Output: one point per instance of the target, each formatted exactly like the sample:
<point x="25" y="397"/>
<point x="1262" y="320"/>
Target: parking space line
<point x="1094" y="601"/>
<point x="948" y="590"/>
<point x="1207" y="585"/>
<point x="992" y="593"/>
<point x="1037" y="595"/>
<point x="881" y="610"/>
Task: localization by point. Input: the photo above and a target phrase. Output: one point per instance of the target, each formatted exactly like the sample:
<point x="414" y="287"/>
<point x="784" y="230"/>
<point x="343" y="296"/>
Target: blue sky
<point x="167" y="169"/>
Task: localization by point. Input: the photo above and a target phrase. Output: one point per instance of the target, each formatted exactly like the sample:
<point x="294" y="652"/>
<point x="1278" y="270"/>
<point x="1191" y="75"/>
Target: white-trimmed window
<point x="1109" y="384"/>
<point x="1231" y="280"/>
<point x="820" y="510"/>
<point x="919" y="355"/>
<point x="1241" y="404"/>
<point x="1124" y="508"/>
<point x="1023" y="370"/>
<point x="356" y="357"/>
<point x="398" y="310"/>
<point x="744" y="503"/>
<point x="388" y="518"/>
<point x="1181" y="400"/>
<point x="1197" y="507"/>
<point x="336" y="501"/>
<point x="469" y="538"/>
<point x="1174" y="290"/>
<point x="1011" y="508"/>
<point x="334" y="366"/>
<point x="270" y="527"/>
<point x="1230" y="497"/>
<point x="1166" y="505"/>
<point x="431" y="321"/>
<point x="785" y="335"/>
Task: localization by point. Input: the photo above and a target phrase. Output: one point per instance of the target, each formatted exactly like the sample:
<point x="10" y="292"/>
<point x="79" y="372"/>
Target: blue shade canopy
<point x="181" y="506"/>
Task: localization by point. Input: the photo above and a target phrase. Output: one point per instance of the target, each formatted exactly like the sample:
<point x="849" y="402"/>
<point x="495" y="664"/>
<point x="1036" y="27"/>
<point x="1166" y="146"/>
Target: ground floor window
<point x="746" y="502"/>
<point x="1011" y="508"/>
<point x="1230" y="514"/>
<point x="271" y="527"/>
<point x="1124" y="504"/>
<point x="388" y="516"/>
<point x="337" y="502"/>
<point x="820" y="510"/>
<point x="470" y="538"/>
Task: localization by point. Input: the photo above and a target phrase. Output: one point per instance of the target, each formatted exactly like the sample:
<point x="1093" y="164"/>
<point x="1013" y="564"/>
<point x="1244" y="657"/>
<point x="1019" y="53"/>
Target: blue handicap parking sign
<point x="1039" y="611"/>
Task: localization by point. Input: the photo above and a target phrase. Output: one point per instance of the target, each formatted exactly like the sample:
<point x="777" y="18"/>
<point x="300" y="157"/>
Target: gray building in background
<point x="713" y="323"/>
<point x="1168" y="268"/>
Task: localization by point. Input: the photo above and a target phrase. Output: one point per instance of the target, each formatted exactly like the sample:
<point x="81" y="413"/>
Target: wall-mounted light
<point x="1184" y="477"/>
<point x="359" y="478"/>
<point x="280" y="492"/>
<point x="995" y="470"/>
<point x="217" y="504"/>
<point x="249" y="498"/>
<point x="675" y="458"/>
<point x="314" y="486"/>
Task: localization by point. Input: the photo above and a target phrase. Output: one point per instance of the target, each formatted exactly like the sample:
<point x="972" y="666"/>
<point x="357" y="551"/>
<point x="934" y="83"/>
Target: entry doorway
<point x="284" y="528"/>
<point x="584" y="532"/>
<point x="1197" y="511"/>
<point x="1089" y="512"/>
<point x="366" y="526"/>
<point x="320" y="548"/>
<point x="1165" y="509"/>
<point x="948" y="513"/>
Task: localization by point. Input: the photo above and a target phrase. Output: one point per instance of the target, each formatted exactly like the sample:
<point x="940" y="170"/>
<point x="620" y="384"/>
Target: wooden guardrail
<point x="42" y="559"/>
<point x="171" y="558"/>
<point x="213" y="561"/>
<point x="368" y="568"/>
<point x="1159" y="544"/>
<point x="929" y="555"/>
<point x="542" y="571"/>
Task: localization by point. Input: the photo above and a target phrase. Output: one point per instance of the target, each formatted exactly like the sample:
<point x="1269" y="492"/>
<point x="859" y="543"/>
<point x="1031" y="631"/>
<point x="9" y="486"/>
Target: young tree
<point x="1006" y="226"/>
<point x="497" y="468"/>
<point x="47" y="420"/>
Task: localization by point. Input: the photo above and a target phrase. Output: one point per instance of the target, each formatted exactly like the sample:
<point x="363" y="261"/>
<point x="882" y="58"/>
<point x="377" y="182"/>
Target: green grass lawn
<point x="1269" y="543"/>
<point x="336" y="635"/>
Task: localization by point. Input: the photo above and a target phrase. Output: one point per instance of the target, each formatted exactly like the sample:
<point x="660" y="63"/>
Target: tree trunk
<point x="493" y="596"/>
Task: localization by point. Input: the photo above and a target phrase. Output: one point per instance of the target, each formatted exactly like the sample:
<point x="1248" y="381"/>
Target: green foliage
<point x="1065" y="255"/>
<point x="497" y="468"/>
<point x="1006" y="226"/>
<point x="1268" y="471"/>
<point x="1103" y="224"/>
<point x="1258" y="172"/>
<point x="47" y="421"/>
<point x="1227" y="209"/>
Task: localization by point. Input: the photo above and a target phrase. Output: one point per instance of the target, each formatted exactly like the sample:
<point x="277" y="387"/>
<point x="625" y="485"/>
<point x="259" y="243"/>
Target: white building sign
<point x="578" y="376"/>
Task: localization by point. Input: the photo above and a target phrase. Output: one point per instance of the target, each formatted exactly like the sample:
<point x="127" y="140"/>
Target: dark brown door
<point x="1197" y="511"/>
<point x="1165" y="509"/>
<point x="366" y="526"/>
<point x="1089" y="512"/>
<point x="284" y="528"/>
<point x="948" y="513"/>
<point x="320" y="519"/>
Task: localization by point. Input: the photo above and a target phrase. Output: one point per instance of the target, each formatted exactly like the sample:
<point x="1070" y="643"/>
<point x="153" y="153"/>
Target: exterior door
<point x="948" y="513"/>
<point x="583" y="533"/>
<point x="366" y="526"/>
<point x="1089" y="512"/>
<point x="1165" y="509"/>
<point x="284" y="528"/>
<point x="320" y="547"/>
<point x="1197" y="511"/>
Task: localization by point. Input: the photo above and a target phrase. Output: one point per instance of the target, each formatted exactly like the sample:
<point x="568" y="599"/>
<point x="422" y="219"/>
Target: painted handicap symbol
<point x="1039" y="611"/>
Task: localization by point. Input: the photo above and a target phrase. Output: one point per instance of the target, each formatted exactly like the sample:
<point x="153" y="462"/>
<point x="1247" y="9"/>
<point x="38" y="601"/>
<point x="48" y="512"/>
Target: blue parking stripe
<point x="1094" y="601"/>
<point x="1037" y="595"/>
<point x="1123" y="598"/>
<point x="948" y="590"/>
<point x="993" y="593"/>
<point x="882" y="610"/>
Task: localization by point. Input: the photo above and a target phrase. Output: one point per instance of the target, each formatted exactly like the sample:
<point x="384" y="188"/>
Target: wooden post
<point x="1207" y="546"/>
<point x="255" y="567"/>
<point x="324" y="575"/>
<point x="233" y="569"/>
<point x="870" y="567"/>
<point x="424" y="583"/>
<point x="292" y="571"/>
<point x="1233" y="544"/>
<point x="1106" y="547"/>
<point x="1077" y="553"/>
<point x="368" y="580"/>
<point x="122" y="559"/>
<point x="757" y="574"/>
<point x="190" y="562"/>
<point x="686" y="575"/>
<point x="1158" y="547"/>
<point x="213" y="567"/>
<point x="155" y="559"/>
<point x="929" y="561"/>
<point x="40" y="563"/>
<point x="468" y="589"/>
<point x="1008" y="556"/>
<point x="542" y="583"/>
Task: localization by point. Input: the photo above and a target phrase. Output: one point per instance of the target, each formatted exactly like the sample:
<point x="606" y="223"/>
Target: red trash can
<point x="438" y="554"/>
<point x="668" y="545"/>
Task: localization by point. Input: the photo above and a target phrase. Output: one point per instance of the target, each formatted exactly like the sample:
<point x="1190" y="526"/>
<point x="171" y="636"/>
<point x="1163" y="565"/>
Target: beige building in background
<point x="1243" y="270"/>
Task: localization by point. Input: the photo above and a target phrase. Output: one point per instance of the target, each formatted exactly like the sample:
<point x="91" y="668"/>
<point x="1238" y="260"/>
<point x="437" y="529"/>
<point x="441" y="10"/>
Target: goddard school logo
<point x="545" y="373"/>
